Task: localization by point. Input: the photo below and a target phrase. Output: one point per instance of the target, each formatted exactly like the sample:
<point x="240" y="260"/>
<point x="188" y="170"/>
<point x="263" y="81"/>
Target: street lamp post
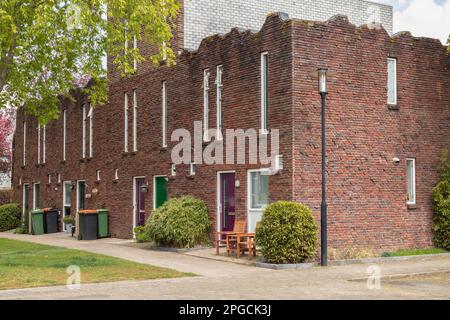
<point x="323" y="208"/>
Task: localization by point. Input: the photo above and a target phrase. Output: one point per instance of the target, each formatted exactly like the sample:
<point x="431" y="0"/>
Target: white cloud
<point x="423" y="18"/>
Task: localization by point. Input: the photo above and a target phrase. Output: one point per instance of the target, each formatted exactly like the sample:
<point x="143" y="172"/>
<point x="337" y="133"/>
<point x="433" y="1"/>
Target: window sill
<point x="412" y="206"/>
<point x="116" y="181"/>
<point x="162" y="149"/>
<point x="63" y="162"/>
<point x="84" y="160"/>
<point x="393" y="107"/>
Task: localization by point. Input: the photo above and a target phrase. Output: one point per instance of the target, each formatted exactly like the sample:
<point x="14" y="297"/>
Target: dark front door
<point x="140" y="201"/>
<point x="160" y="191"/>
<point x="26" y="199"/>
<point x="227" y="201"/>
<point x="81" y="195"/>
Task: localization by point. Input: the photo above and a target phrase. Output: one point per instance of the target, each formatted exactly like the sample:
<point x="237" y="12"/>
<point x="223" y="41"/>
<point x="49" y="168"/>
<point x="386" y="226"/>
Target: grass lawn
<point x="27" y="265"/>
<point x="414" y="252"/>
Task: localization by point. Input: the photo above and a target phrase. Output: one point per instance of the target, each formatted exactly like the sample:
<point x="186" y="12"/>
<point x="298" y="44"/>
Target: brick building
<point x="388" y="119"/>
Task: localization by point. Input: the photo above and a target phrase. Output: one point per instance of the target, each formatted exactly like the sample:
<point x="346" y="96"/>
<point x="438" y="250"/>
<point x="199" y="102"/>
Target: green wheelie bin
<point x="37" y="222"/>
<point x="103" y="227"/>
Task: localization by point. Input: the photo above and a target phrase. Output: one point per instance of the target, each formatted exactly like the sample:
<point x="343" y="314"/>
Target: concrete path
<point x="425" y="278"/>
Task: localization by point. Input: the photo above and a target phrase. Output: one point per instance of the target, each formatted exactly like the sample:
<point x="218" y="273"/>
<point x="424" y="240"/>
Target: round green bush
<point x="179" y="223"/>
<point x="287" y="233"/>
<point x="10" y="215"/>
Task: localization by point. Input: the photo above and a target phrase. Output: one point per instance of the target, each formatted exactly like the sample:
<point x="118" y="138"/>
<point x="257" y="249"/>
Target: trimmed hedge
<point x="10" y="215"/>
<point x="441" y="196"/>
<point x="179" y="223"/>
<point x="287" y="233"/>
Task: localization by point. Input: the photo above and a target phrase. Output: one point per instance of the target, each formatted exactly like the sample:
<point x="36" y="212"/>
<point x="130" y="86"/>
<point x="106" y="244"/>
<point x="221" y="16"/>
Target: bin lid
<point x="102" y="210"/>
<point x="48" y="209"/>
<point x="87" y="212"/>
<point x="37" y="211"/>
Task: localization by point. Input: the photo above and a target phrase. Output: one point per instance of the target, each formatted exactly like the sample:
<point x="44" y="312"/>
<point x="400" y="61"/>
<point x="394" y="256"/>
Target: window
<point x="164" y="114"/>
<point x="259" y="190"/>
<point x="135" y="45"/>
<point x="411" y="180"/>
<point x="135" y="111"/>
<point x="116" y="174"/>
<point x="392" y="81"/>
<point x="36" y="196"/>
<point x="125" y="131"/>
<point x="83" y="147"/>
<point x="192" y="169"/>
<point x="264" y="92"/>
<point x="49" y="177"/>
<point x="91" y="131"/>
<point x="173" y="170"/>
<point x="24" y="143"/>
<point x="59" y="178"/>
<point x="39" y="145"/>
<point x="98" y="175"/>
<point x="206" y="75"/>
<point x="219" y="85"/>
<point x="64" y="134"/>
<point x="44" y="143"/>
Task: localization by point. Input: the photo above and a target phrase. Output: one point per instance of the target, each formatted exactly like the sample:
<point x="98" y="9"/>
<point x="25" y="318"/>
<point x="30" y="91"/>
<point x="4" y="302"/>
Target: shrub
<point x="287" y="233"/>
<point x="441" y="196"/>
<point x="69" y="220"/>
<point x="140" y="234"/>
<point x="179" y="223"/>
<point x="10" y="216"/>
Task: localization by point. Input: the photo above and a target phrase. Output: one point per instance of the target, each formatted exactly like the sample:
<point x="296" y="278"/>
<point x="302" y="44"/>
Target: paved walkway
<point x="425" y="278"/>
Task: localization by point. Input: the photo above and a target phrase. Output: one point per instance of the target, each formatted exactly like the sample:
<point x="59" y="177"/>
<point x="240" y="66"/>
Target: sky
<point x="423" y="18"/>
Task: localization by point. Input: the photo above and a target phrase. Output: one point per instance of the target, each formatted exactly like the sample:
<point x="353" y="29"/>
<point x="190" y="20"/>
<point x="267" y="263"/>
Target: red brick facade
<point x="366" y="190"/>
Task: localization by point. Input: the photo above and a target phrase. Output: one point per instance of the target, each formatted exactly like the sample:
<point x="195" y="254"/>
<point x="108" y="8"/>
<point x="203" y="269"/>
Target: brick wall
<point x="5" y="196"/>
<point x="366" y="190"/>
<point x="203" y="18"/>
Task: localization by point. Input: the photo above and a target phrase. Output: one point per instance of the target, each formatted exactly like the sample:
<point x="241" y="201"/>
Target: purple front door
<point x="140" y="202"/>
<point x="227" y="201"/>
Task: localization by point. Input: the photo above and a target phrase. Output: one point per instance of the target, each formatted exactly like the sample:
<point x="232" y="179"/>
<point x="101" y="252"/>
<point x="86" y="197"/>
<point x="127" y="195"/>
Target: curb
<point x="335" y="263"/>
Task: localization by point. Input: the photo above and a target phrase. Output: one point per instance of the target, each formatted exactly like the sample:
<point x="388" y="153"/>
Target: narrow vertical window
<point x="411" y="180"/>
<point x="219" y="85"/>
<point x="91" y="132"/>
<point x="39" y="145"/>
<point x="24" y="143"/>
<point x="125" y="131"/>
<point x="83" y="147"/>
<point x="116" y="174"/>
<point x="44" y="144"/>
<point x="135" y="113"/>
<point x="64" y="134"/>
<point x="164" y="114"/>
<point x="206" y="75"/>
<point x="49" y="177"/>
<point x="98" y="175"/>
<point x="264" y="92"/>
<point x="135" y="45"/>
<point x="392" y="81"/>
<point x="36" y="196"/>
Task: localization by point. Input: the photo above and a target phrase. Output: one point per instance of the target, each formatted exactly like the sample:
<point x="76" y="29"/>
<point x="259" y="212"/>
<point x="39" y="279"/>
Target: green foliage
<point x="10" y="215"/>
<point x="441" y="196"/>
<point x="140" y="235"/>
<point x="287" y="233"/>
<point x="69" y="220"/>
<point x="179" y="223"/>
<point x="47" y="46"/>
<point x="413" y="252"/>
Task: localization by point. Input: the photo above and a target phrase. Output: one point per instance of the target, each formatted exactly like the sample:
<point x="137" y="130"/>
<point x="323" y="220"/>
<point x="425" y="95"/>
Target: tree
<point x="6" y="131"/>
<point x="47" y="45"/>
<point x="441" y="195"/>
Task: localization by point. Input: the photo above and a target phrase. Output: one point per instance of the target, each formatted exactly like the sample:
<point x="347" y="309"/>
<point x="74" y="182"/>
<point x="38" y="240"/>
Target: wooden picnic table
<point x="241" y="242"/>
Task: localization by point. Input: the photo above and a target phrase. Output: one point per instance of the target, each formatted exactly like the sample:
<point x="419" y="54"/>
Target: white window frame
<point x="64" y="134"/>
<point x="264" y="92"/>
<point x="83" y="147"/>
<point x="34" y="194"/>
<point x="98" y="175"/>
<point x="116" y="174"/>
<point x="24" y="143"/>
<point x="125" y="130"/>
<point x="164" y="114"/>
<point x="39" y="144"/>
<point x="44" y="144"/>
<point x="393" y="103"/>
<point x="135" y="115"/>
<point x="219" y="102"/>
<point x="249" y="189"/>
<point x="206" y="75"/>
<point x="135" y="45"/>
<point x="49" y="177"/>
<point x="414" y="201"/>
<point x="91" y="131"/>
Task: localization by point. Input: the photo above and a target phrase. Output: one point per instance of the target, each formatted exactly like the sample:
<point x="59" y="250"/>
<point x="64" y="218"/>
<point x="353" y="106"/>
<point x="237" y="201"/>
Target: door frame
<point x="34" y="194"/>
<point x="135" y="203"/>
<point x="78" y="193"/>
<point x="64" y="203"/>
<point x="218" y="197"/>
<point x="25" y="186"/>
<point x="154" y="189"/>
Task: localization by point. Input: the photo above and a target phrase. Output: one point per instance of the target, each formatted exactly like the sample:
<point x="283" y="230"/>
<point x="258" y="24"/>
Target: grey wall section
<point x="204" y="18"/>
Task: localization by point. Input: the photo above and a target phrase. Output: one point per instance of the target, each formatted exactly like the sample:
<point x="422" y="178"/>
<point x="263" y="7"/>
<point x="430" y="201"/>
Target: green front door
<point x="160" y="191"/>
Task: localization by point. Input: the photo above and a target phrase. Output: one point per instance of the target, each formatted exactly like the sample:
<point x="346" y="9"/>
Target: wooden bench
<point x="221" y="238"/>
